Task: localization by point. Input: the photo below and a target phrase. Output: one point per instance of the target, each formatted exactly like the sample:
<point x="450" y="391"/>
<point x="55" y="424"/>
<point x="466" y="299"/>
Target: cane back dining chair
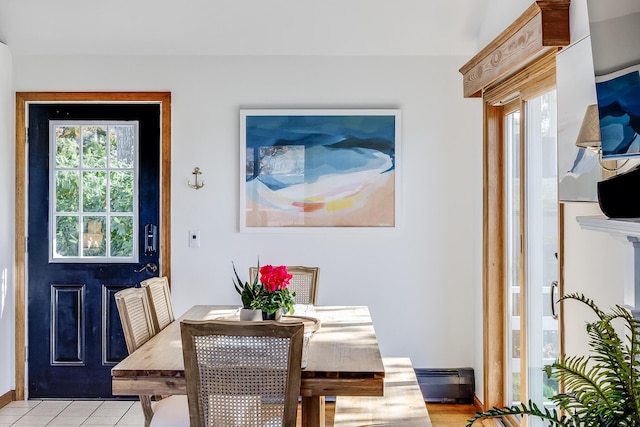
<point x="242" y="373"/>
<point x="160" y="301"/>
<point x="137" y="325"/>
<point x="304" y="283"/>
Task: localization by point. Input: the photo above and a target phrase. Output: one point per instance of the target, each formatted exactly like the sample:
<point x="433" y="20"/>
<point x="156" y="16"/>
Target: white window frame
<point x="53" y="258"/>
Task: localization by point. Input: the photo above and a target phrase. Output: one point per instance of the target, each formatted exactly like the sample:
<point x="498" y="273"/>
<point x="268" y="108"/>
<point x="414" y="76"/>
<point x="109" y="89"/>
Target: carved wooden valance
<point x="542" y="27"/>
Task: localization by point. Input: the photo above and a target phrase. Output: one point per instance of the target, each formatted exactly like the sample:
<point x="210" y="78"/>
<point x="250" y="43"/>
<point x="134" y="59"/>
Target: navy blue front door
<point x="74" y="331"/>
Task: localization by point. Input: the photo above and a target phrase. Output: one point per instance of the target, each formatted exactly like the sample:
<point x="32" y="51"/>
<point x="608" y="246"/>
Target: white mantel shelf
<point x="626" y="230"/>
<point x="629" y="228"/>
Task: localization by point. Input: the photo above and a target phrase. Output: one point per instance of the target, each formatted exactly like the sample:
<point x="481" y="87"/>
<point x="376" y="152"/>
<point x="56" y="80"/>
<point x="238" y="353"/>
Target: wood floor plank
<point x="441" y="414"/>
<point x="450" y="415"/>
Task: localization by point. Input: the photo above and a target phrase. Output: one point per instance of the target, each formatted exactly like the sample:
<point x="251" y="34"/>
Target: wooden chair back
<point x="242" y="373"/>
<point x="160" y="301"/>
<point x="135" y="317"/>
<point x="304" y="283"/>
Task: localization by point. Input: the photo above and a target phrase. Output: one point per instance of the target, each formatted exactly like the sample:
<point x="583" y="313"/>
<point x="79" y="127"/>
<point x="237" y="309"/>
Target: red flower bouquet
<point x="275" y="295"/>
<point x="274" y="278"/>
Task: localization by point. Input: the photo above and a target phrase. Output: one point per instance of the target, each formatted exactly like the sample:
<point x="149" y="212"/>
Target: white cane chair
<point x="137" y="325"/>
<point x="242" y="373"/>
<point x="160" y="300"/>
<point x="304" y="283"/>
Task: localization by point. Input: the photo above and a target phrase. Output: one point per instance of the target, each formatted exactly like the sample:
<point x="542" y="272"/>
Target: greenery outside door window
<point x="93" y="187"/>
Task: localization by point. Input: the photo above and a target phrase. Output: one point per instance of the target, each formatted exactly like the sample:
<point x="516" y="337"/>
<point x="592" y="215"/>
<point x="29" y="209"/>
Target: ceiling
<point x="241" y="27"/>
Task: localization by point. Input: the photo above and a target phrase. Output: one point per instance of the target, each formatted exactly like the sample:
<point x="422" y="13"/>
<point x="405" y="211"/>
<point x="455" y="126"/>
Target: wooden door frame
<point x="533" y="80"/>
<point x="23" y="99"/>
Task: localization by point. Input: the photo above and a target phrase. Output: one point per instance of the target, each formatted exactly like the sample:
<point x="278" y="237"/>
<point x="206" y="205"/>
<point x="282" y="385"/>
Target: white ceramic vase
<point x="249" y="314"/>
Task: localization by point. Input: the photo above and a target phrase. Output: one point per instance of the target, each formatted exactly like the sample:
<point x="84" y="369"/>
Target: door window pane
<point x="122" y="146"/>
<point x="67" y="191"/>
<point x="94" y="146"/>
<point x="121" y="191"/>
<point x="93" y="239"/>
<point x="67" y="146"/>
<point x="67" y="236"/>
<point x="512" y="149"/>
<point x="121" y="236"/>
<point x="542" y="244"/>
<point x="94" y="191"/>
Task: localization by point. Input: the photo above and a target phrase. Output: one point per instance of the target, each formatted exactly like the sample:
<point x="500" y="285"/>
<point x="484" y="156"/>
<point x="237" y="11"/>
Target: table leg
<point x="313" y="411"/>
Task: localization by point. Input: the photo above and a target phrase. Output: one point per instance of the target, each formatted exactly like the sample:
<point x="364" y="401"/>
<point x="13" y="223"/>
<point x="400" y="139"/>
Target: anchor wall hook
<point x="196" y="186"/>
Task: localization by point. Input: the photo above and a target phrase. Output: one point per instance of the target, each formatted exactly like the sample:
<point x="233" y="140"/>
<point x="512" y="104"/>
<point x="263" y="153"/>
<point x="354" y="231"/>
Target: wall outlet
<point x="194" y="238"/>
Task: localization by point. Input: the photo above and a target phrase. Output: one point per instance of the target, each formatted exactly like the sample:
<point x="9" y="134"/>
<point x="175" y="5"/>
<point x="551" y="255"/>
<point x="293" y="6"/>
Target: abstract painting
<point x="318" y="168"/>
<point x="614" y="33"/>
<point x="619" y="109"/>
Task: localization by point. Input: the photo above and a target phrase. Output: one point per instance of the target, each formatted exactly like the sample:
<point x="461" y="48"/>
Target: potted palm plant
<point x="250" y="296"/>
<point x="603" y="389"/>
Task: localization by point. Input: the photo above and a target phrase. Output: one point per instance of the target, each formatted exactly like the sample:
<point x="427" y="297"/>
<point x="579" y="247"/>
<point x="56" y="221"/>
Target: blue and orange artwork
<point x="316" y="169"/>
<point x="619" y="111"/>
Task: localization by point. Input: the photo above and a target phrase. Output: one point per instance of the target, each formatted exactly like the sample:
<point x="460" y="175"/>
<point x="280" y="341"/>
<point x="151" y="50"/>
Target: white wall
<point x="7" y="318"/>
<point x="621" y="32"/>
<point x="578" y="20"/>
<point x="419" y="281"/>
<point x="498" y="15"/>
<point x="595" y="265"/>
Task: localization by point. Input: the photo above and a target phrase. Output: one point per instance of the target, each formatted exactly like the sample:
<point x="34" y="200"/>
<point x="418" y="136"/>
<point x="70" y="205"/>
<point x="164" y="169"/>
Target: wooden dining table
<point x="343" y="359"/>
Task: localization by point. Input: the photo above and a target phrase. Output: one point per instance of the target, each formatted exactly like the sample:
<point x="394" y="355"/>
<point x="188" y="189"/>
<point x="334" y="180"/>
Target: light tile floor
<point x="68" y="413"/>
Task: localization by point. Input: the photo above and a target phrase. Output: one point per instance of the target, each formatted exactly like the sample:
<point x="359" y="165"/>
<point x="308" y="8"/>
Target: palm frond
<point x="552" y="416"/>
<point x="603" y="388"/>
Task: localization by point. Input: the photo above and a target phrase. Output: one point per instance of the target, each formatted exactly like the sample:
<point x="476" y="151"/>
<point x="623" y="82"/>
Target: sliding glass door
<point x="532" y="271"/>
<point x="541" y="249"/>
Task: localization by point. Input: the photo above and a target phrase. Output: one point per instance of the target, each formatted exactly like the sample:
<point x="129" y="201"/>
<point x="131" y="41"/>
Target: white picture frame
<point x="314" y="169"/>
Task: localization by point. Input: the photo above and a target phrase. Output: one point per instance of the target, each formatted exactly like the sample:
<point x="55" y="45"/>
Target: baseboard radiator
<point x="447" y="385"/>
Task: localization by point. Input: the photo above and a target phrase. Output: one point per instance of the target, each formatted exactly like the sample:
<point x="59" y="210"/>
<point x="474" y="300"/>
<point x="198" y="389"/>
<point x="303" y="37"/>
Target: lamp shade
<point x="589" y="135"/>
